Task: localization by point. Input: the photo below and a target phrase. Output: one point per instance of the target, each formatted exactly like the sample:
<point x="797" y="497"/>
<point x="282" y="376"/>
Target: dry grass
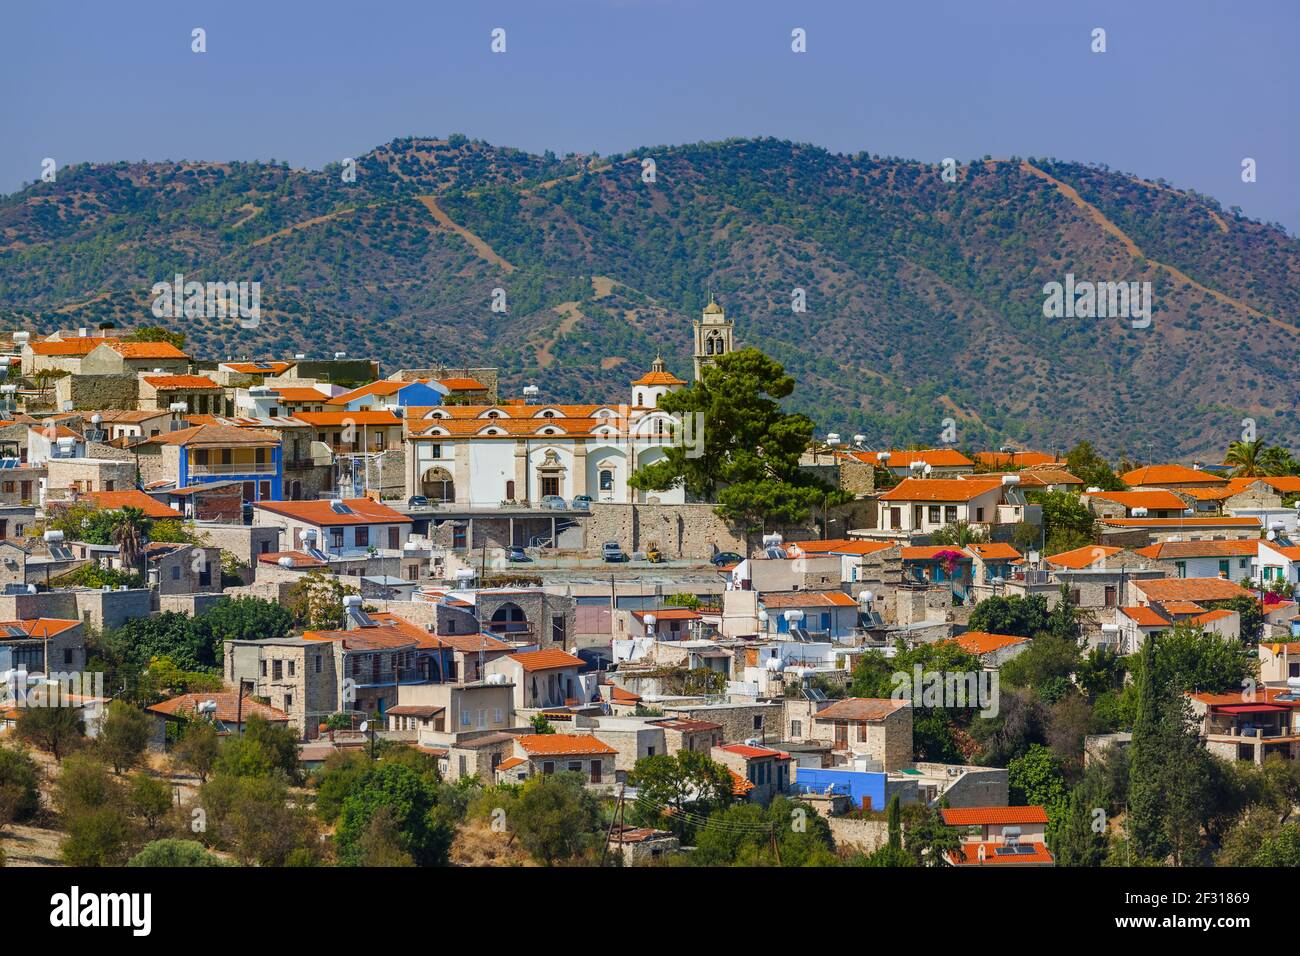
<point x="476" y="844"/>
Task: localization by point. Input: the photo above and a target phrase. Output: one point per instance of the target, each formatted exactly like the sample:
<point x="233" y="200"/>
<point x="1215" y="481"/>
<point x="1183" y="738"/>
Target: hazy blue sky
<point x="1186" y="89"/>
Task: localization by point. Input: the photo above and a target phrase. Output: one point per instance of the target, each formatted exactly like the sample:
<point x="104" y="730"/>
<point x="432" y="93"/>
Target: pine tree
<point x="894" y="815"/>
<point x="1144" y="820"/>
<point x="1075" y="841"/>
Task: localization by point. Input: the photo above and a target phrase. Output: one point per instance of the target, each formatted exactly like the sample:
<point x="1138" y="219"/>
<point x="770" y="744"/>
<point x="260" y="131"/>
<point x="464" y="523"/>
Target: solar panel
<point x="800" y="634"/>
<point x="776" y="552"/>
<point x="13" y="630"/>
<point x="318" y="554"/>
<point x="1022" y="848"/>
<point x="360" y="618"/>
<point x="1005" y="851"/>
<point x="60" y="552"/>
<point x="339" y="508"/>
<point x="815" y="694"/>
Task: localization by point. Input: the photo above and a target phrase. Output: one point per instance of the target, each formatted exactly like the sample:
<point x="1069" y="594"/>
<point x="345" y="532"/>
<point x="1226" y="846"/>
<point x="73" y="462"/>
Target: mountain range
<point x="924" y="293"/>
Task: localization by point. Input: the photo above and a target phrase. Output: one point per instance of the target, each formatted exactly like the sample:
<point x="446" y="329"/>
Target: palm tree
<point x="1253" y="459"/>
<point x="129" y="536"/>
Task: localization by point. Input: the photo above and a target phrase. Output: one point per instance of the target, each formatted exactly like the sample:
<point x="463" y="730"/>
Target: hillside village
<point x="275" y="583"/>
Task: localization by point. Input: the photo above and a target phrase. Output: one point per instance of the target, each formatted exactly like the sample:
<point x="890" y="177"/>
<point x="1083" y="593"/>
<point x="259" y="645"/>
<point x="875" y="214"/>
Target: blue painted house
<point x="205" y="454"/>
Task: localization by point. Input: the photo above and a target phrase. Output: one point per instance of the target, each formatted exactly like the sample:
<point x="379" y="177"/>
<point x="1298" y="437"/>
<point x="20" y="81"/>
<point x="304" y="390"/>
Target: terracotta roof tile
<point x="546" y="660"/>
<point x="860" y="708"/>
<point x="941" y="489"/>
<point x="563" y="745"/>
<point x="992" y="816"/>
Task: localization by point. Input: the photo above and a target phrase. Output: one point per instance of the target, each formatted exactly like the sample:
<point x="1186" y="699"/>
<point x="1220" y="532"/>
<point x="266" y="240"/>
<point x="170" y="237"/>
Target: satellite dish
<point x="365" y="726"/>
<point x="927" y="469"/>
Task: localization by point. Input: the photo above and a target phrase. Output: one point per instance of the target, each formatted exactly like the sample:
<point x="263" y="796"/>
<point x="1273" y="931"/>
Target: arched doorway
<point x="437" y="485"/>
<point x="508" y="618"/>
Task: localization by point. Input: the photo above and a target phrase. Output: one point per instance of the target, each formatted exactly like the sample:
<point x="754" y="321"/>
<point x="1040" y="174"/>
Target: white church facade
<point x="517" y="453"/>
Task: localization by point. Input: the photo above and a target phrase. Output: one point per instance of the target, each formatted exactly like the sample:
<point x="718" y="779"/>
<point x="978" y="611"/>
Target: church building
<point x="518" y="453"/>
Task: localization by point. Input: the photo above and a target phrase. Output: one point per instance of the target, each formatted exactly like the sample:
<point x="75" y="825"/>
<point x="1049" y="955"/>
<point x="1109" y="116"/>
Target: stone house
<point x="870" y="730"/>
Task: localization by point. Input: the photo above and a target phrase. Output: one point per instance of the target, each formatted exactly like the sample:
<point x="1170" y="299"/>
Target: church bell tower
<point x="713" y="336"/>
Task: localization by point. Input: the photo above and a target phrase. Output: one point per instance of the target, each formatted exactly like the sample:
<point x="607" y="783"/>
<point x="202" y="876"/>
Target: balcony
<point x="233" y="468"/>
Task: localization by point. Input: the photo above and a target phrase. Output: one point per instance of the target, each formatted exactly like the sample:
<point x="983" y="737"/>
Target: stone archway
<point x="436" y="484"/>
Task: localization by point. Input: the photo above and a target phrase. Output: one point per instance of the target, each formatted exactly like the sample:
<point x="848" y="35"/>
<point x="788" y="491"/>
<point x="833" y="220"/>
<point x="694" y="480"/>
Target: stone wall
<point x="191" y="604"/>
<point x="690" y="531"/>
<point x="98" y="391"/>
<point x="101" y="609"/>
<point x="864" y="835"/>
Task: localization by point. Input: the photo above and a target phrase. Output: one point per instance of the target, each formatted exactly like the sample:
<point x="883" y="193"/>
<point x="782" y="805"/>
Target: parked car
<point x="611" y="551"/>
<point x="417" y="501"/>
<point x="581" y="503"/>
<point x="553" y="502"/>
<point x="516" y="553"/>
<point x="724" y="558"/>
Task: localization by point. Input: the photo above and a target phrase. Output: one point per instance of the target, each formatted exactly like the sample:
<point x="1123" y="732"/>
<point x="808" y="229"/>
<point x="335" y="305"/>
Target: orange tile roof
<point x="739" y="785"/>
<point x="941" y="489"/>
<point x="982" y="642"/>
<point x="1182" y="607"/>
<point x="563" y="745"/>
<point x="928" y="552"/>
<point x="1157" y="499"/>
<point x="258" y="368"/>
<point x="623" y="695"/>
<point x="1169" y="550"/>
<point x="546" y="660"/>
<point x="754" y="753"/>
<point x="1261" y="695"/>
<point x="57" y="431"/>
<point x="968" y="855"/>
<point x="300" y="393"/>
<point x="216" y="436"/>
<point x="860" y="709"/>
<point x="472" y="643"/>
<point x="41" y="627"/>
<point x="114" y="500"/>
<point x="807" y="599"/>
<point x="511" y="762"/>
<point x="994" y="550"/>
<point x="147" y="350"/>
<point x="1283" y="483"/>
<point x="669" y="614"/>
<point x="1209" y="617"/>
<point x="659" y="378"/>
<point x="837" y="546"/>
<point x="173" y="382"/>
<point x="1195" y="521"/>
<point x="935" y="457"/>
<point x="1084" y="557"/>
<point x="299" y="559"/>
<point x="1048" y="476"/>
<point x="463" y="384"/>
<point x="321" y="514"/>
<point x="1168" y="474"/>
<point x="81" y="345"/>
<point x="998" y="459"/>
<point x="381" y="388"/>
<point x="1145" y="616"/>
<point x="1288" y="551"/>
<point x="1189" y="589"/>
<point x="228" y="707"/>
<point x="348" y="418"/>
<point x="992" y="816"/>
